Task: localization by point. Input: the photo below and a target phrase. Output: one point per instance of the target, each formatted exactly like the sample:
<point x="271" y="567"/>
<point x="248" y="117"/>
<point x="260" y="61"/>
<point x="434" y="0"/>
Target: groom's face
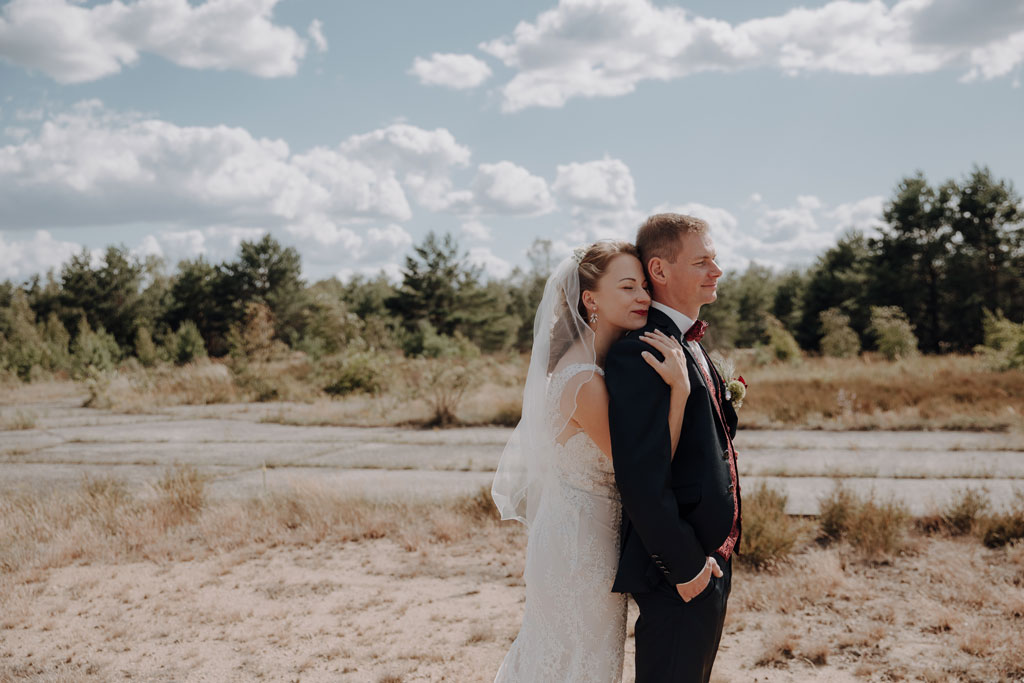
<point x="693" y="278"/>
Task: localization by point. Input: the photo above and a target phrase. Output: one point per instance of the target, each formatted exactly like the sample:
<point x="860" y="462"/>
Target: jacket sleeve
<point x="641" y="453"/>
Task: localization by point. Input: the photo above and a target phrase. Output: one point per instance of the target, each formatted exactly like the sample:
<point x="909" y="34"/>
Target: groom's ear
<point x="656" y="270"/>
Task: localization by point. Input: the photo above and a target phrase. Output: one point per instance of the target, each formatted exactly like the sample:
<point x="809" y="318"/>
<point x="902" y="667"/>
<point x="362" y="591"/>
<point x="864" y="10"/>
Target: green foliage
<point x="436" y="345"/>
<point x="268" y="273"/>
<point x="441" y="288"/>
<point x="198" y="293"/>
<point x="1004" y="342"/>
<point x="328" y="324"/>
<point x="354" y="372"/>
<point x="781" y="344"/>
<point x="20" y="340"/>
<point x="944" y="255"/>
<point x="186" y="344"/>
<point x="93" y="352"/>
<point x="253" y="338"/>
<point x="838" y="279"/>
<point x="145" y="349"/>
<point x="56" y="345"/>
<point x="894" y="335"/>
<point x="840" y="341"/>
<point x="769" y="534"/>
<point x="754" y="293"/>
<point x="109" y="296"/>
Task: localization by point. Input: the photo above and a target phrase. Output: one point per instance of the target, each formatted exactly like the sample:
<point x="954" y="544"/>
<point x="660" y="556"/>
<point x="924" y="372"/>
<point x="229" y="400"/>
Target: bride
<point x="556" y="474"/>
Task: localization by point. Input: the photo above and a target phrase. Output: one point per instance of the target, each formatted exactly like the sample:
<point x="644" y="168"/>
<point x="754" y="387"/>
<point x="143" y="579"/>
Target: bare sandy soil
<point x="375" y="611"/>
<point x="385" y="611"/>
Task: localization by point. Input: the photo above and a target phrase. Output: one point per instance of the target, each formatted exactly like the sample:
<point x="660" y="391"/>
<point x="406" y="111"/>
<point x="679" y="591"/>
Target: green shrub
<point x="354" y="372"/>
<point x="145" y="349"/>
<point x="186" y="344"/>
<point x="894" y="334"/>
<point x="1004" y="342"/>
<point x="93" y="352"/>
<point x="781" y="344"/>
<point x="21" y="346"/>
<point x="769" y="534"/>
<point x="840" y="341"/>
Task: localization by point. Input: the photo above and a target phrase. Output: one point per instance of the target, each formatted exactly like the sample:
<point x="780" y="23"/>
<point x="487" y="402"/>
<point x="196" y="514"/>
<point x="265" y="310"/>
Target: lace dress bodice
<point x="579" y="462"/>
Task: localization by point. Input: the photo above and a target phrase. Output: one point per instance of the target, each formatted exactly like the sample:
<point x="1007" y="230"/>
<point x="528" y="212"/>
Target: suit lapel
<point x="661" y="321"/>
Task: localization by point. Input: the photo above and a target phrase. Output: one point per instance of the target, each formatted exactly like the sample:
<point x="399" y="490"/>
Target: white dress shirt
<point x="684" y="322"/>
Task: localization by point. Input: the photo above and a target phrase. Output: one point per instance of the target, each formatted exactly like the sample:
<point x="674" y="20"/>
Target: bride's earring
<point x="593" y="316"/>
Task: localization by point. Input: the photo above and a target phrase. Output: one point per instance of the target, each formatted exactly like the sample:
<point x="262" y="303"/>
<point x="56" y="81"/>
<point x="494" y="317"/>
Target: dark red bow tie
<point x="696" y="331"/>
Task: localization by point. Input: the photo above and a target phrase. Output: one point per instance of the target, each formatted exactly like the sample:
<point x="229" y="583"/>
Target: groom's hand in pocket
<point x="695" y="586"/>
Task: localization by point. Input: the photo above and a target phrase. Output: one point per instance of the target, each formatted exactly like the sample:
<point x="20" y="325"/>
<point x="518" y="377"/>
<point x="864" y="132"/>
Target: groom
<point x="680" y="511"/>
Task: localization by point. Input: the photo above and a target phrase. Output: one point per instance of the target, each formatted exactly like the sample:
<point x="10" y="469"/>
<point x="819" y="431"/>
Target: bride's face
<point x="621" y="296"/>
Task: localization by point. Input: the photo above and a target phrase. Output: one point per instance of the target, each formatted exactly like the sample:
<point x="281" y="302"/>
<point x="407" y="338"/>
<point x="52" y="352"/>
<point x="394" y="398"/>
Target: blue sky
<point x="348" y="130"/>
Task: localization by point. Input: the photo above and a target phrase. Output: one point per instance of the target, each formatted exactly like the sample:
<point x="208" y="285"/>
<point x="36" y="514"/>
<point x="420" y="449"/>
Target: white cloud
<point x="864" y="215"/>
<point x="782" y="236"/>
<point x="178" y="245"/>
<point x="493" y="265"/>
<point x="73" y="43"/>
<point x="605" y="48"/>
<point x="459" y="72"/>
<point x="601" y="196"/>
<point x="604" y="184"/>
<point x="94" y="166"/>
<point x="387" y="243"/>
<point x="20" y="258"/>
<point x="476" y="230"/>
<point x="423" y="159"/>
<point x="316" y="34"/>
<point x="506" y="188"/>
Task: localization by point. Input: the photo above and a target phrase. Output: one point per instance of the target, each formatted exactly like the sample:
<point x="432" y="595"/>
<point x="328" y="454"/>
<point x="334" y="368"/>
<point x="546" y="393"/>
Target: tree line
<point x="946" y="257"/>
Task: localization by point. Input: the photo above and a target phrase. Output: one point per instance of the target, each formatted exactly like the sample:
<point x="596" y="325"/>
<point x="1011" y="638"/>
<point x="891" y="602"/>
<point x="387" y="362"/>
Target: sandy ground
<point x="374" y="611"/>
<point x="377" y="611"/>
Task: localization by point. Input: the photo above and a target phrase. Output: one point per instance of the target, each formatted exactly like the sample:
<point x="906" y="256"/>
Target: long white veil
<point x="561" y="337"/>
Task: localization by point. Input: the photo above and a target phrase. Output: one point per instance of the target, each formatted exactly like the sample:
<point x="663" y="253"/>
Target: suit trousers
<point x="676" y="641"/>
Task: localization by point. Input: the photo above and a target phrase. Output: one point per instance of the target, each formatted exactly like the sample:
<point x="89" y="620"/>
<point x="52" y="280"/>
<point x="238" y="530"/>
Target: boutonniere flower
<point x="735" y="385"/>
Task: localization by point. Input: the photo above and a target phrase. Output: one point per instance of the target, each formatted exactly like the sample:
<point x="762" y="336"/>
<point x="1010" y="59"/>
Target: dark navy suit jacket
<point x="675" y="512"/>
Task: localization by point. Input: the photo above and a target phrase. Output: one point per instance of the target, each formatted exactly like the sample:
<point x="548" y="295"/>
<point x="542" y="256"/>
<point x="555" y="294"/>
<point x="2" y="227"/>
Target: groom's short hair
<point x="659" y="235"/>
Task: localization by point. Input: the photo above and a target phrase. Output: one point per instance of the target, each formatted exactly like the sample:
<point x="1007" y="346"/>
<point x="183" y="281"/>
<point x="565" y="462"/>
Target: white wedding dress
<point x="574" y="627"/>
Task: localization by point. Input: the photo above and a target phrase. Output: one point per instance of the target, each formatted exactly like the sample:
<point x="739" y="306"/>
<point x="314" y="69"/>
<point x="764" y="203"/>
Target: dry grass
<point x="315" y="585"/>
<point x="141" y="390"/>
<point x="18" y="420"/>
<point x="769" y="534"/>
<point x="928" y="392"/>
<point x="102" y="522"/>
<point x="875" y="529"/>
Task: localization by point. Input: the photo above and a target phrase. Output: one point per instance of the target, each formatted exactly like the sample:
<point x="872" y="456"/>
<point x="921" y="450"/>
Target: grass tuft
<point x="769" y="534"/>
<point x="874" y="529"/>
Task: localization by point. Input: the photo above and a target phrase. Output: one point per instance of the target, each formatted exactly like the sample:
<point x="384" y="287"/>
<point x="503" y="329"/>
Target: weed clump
<point x="769" y="534"/>
<point x="874" y="529"/>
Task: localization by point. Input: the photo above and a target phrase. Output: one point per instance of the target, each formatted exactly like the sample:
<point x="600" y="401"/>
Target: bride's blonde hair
<point x="592" y="267"/>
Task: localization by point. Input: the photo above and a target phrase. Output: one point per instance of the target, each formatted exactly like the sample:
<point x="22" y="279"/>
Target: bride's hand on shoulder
<point x="673" y="369"/>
